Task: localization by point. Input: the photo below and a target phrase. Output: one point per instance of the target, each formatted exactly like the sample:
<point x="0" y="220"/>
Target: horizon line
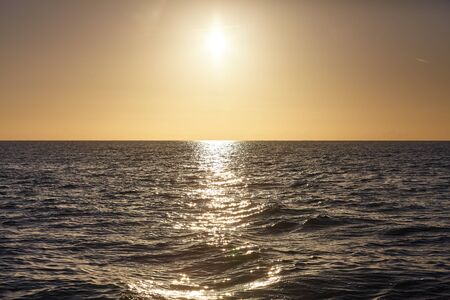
<point x="225" y="140"/>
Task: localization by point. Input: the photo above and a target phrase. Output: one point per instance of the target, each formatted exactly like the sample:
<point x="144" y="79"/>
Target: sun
<point x="216" y="43"/>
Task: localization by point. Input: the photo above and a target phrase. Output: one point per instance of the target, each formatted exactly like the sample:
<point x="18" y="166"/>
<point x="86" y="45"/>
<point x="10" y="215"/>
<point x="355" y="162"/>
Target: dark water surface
<point x="223" y="220"/>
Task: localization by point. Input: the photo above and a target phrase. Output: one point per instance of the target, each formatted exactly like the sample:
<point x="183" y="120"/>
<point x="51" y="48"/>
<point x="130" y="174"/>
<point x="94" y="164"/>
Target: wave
<point x="282" y="226"/>
<point x="323" y="221"/>
<point x="409" y="230"/>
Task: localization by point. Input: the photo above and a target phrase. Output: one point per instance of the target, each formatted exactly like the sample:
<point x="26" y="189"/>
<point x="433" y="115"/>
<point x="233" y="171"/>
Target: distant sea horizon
<point x="225" y="140"/>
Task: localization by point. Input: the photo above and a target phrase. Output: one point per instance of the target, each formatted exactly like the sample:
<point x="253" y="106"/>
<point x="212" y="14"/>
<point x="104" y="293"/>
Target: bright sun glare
<point x="216" y="43"/>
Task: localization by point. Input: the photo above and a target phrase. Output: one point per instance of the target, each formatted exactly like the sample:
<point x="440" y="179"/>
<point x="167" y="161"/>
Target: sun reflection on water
<point x="149" y="289"/>
<point x="224" y="206"/>
<point x="218" y="211"/>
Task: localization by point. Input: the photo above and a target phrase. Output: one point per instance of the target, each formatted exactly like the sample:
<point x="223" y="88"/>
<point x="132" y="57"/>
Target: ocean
<point x="224" y="220"/>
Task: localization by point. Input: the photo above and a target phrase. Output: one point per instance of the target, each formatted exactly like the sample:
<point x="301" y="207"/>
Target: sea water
<point x="224" y="220"/>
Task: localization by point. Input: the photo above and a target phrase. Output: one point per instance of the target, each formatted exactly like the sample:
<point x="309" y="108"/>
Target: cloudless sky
<point x="291" y="70"/>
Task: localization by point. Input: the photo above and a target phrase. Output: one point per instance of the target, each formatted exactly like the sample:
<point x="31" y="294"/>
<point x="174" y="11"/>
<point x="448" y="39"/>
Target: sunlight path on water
<point x="217" y="216"/>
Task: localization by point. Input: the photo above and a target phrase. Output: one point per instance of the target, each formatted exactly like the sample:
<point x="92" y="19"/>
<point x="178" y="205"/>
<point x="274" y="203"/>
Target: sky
<point x="234" y="70"/>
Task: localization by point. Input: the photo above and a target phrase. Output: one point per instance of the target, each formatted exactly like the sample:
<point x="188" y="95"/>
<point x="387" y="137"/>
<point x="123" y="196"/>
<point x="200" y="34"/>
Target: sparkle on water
<point x="217" y="222"/>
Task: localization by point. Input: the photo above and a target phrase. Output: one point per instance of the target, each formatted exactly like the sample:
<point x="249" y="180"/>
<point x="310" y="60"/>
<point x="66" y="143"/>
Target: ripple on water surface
<point x="224" y="220"/>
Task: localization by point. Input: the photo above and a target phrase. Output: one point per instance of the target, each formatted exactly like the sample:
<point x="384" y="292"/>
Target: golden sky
<point x="239" y="70"/>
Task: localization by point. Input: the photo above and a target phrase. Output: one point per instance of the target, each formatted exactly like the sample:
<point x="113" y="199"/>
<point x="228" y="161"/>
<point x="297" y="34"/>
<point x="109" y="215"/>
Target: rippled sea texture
<point x="223" y="220"/>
